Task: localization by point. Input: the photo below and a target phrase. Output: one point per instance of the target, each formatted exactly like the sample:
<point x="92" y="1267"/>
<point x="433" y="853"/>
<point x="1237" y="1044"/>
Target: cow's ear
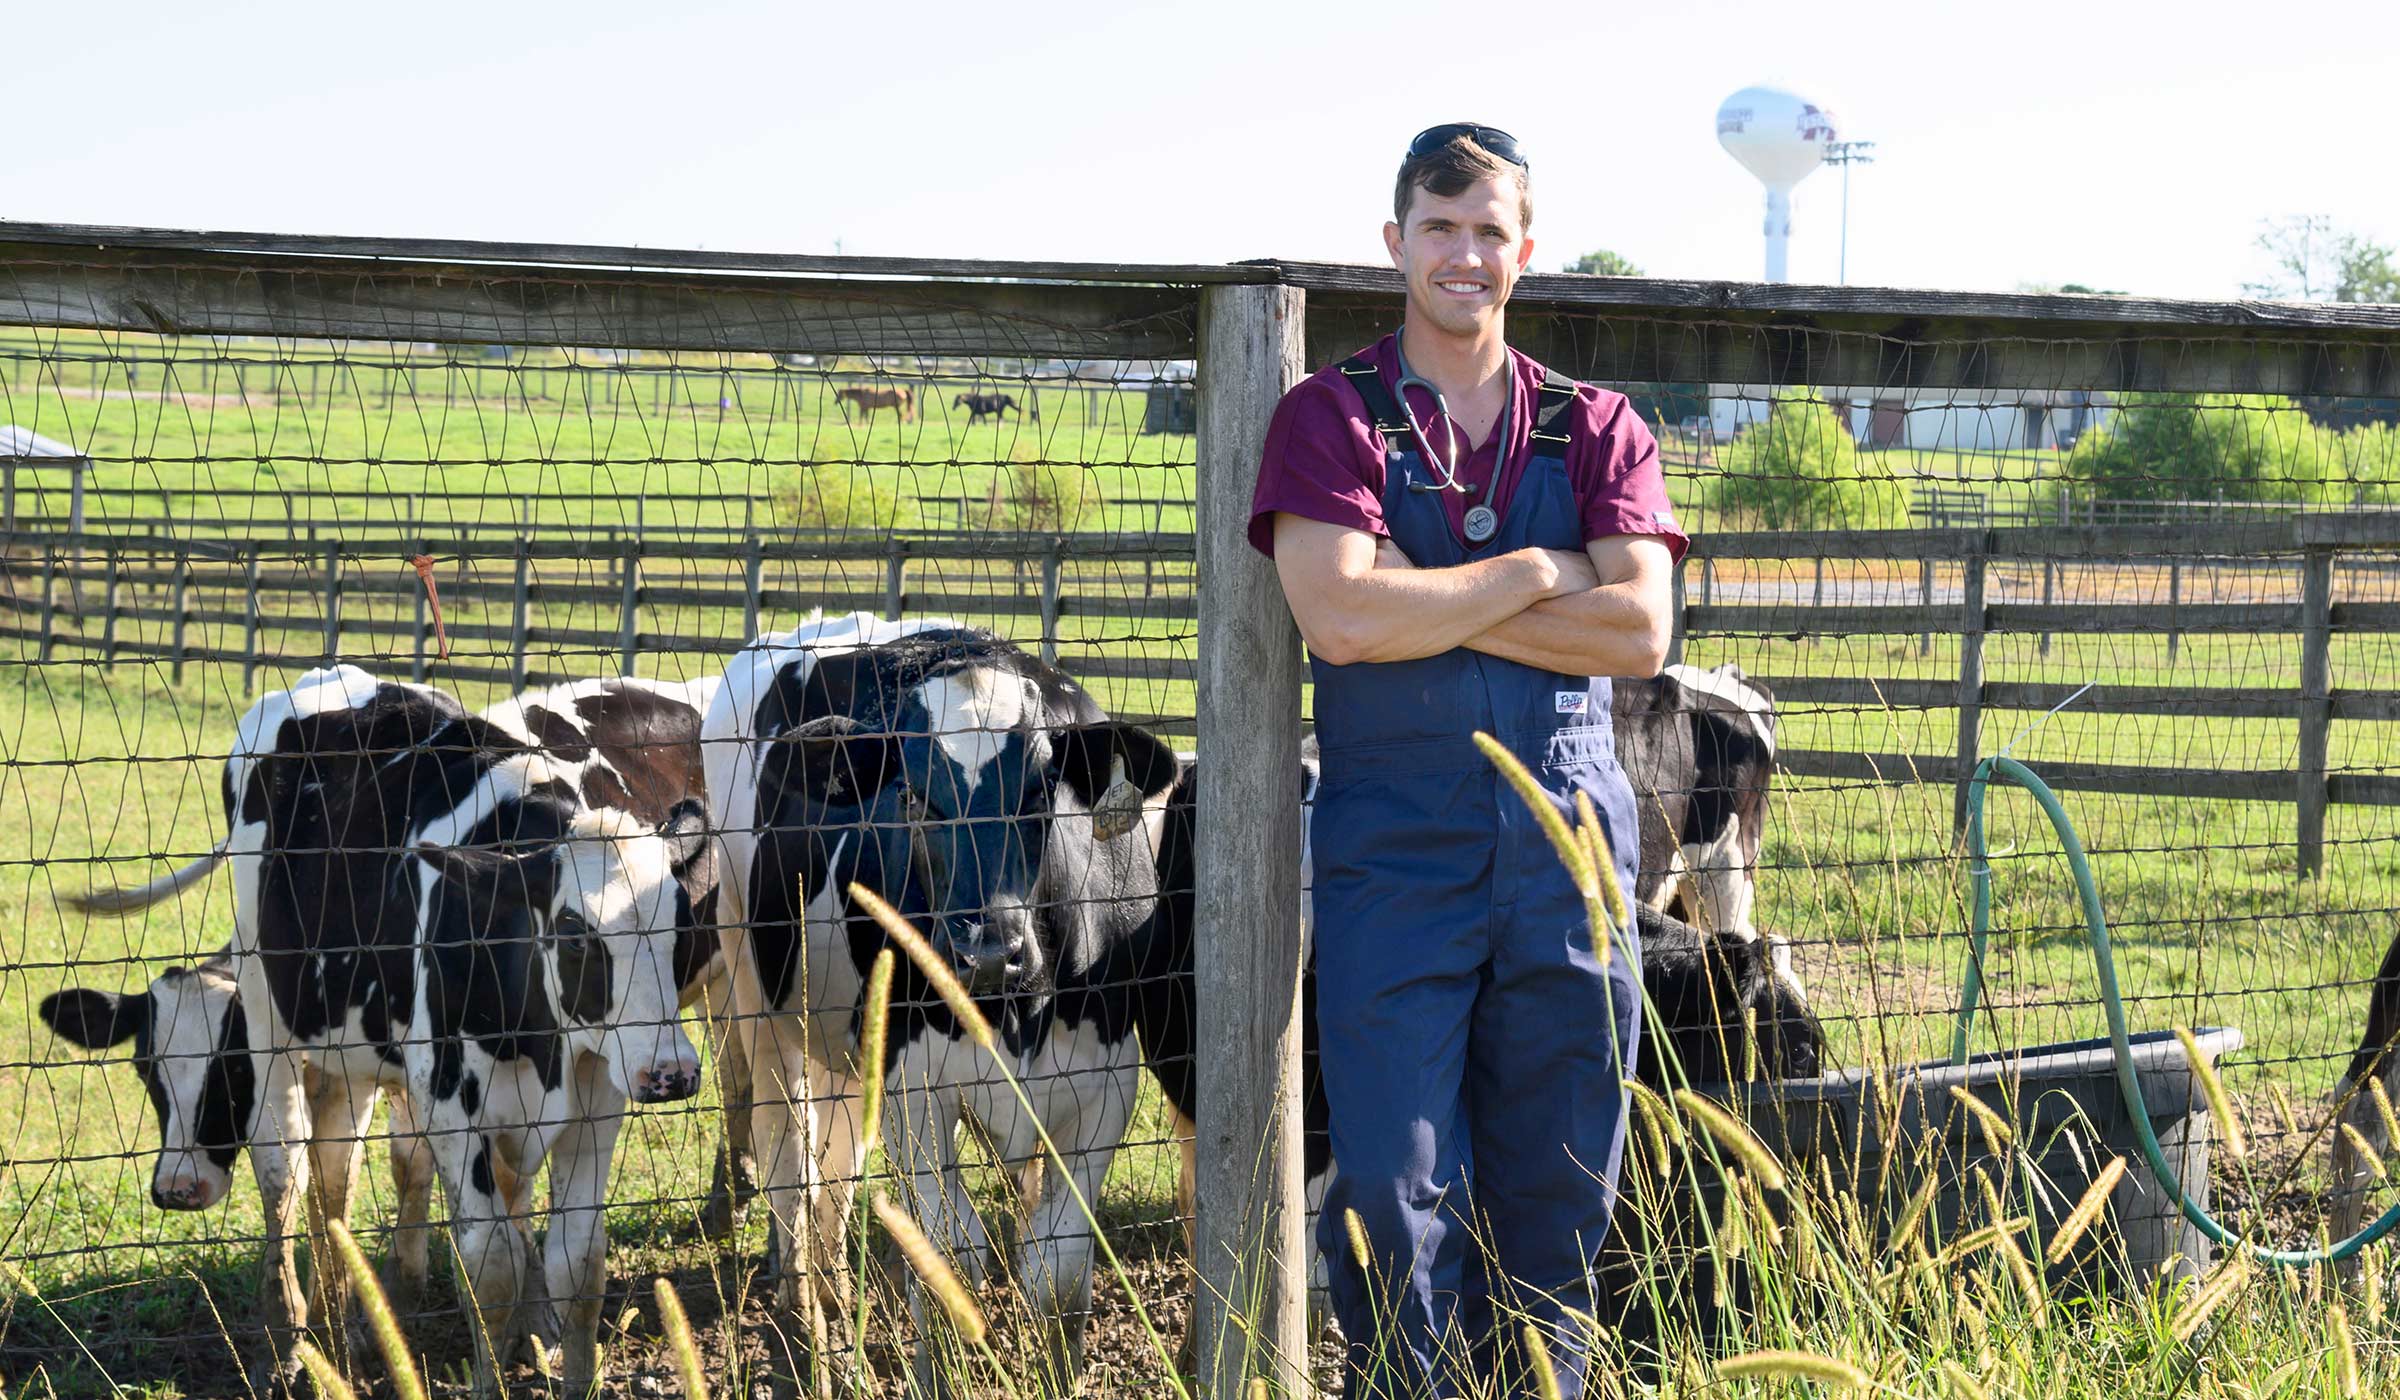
<point x="493" y="877"/>
<point x="686" y="833"/>
<point x="92" y="1019"/>
<point x="1115" y="768"/>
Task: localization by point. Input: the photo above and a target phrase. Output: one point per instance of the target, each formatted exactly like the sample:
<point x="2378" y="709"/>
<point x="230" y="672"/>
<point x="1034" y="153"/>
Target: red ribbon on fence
<point x="433" y="598"/>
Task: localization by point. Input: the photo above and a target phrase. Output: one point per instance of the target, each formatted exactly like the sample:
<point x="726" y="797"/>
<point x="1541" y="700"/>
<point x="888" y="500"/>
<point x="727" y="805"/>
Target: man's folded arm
<point x="1350" y="611"/>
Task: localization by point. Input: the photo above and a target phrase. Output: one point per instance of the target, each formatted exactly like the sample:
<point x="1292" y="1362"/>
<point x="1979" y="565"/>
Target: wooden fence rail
<point x="2308" y="549"/>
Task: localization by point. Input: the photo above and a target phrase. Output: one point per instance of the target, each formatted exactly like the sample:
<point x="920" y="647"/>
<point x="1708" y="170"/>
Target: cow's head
<point x="601" y="902"/>
<point x="1716" y="991"/>
<point x="191" y="1047"/>
<point x="987" y="804"/>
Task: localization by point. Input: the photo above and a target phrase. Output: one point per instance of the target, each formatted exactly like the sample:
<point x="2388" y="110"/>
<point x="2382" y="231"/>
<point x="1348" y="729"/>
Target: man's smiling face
<point x="1460" y="255"/>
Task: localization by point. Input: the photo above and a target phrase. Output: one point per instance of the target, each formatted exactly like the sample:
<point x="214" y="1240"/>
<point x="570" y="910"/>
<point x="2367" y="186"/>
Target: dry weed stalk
<point x="2087" y="1210"/>
<point x="380" y="1318"/>
<point x="2220" y="1104"/>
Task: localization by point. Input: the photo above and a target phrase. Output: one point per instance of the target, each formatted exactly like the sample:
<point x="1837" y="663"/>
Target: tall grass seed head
<point x="2220" y="1104"/>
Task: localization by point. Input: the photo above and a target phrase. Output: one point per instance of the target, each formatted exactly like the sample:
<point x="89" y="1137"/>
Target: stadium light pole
<point x="1846" y="154"/>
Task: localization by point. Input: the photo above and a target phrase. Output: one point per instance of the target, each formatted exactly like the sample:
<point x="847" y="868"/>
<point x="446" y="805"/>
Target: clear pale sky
<point x="2127" y="146"/>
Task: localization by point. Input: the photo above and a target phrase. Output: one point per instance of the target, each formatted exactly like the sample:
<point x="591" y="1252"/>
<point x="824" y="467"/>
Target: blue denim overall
<point x="1474" y="1047"/>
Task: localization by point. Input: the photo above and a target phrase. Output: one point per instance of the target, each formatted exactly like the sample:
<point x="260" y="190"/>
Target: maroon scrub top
<point x="1324" y="459"/>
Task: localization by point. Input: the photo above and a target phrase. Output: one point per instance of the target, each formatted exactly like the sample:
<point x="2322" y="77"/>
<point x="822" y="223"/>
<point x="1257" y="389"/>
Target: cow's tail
<point x="118" y="903"/>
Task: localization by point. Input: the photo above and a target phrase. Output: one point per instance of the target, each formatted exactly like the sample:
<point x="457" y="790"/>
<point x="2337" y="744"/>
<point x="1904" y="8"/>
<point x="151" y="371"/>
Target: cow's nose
<point x="665" y="1084"/>
<point x="181" y="1193"/>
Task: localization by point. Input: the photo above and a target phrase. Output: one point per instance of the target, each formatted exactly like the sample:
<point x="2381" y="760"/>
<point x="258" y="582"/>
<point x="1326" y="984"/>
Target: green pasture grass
<point x="584" y="437"/>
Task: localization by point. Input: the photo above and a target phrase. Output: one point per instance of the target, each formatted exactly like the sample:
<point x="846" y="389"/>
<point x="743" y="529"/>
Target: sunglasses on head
<point x="1491" y="138"/>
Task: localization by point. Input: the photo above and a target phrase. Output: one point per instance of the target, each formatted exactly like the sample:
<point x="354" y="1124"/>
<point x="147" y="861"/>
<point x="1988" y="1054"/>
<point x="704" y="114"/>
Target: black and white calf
<point x="191" y="1047"/>
<point x="1699" y="748"/>
<point x="418" y="890"/>
<point x="992" y="802"/>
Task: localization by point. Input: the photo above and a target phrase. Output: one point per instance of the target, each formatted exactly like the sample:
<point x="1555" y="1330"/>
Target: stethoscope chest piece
<point x="1482" y="523"/>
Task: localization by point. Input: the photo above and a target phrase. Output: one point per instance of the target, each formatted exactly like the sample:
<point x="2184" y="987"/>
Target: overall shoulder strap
<point x="1550" y="434"/>
<point x="1389" y="418"/>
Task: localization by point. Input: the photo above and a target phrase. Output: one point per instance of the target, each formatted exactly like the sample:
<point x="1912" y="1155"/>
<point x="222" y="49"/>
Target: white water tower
<point x="1780" y="137"/>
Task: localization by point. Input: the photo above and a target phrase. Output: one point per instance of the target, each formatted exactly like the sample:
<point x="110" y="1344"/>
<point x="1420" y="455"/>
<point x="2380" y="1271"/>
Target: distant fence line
<point x="2304" y="549"/>
<point x="77" y="587"/>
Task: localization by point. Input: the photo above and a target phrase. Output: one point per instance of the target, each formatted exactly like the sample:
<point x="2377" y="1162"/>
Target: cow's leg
<point x="839" y="1169"/>
<point x="1055" y="1262"/>
<point x="2353" y="1176"/>
<point x="575" y="1252"/>
<point x="279" y="1162"/>
<point x="486" y="1244"/>
<point x="412" y="1183"/>
<point x="778" y="1100"/>
<point x="339" y="1112"/>
<point x="920" y="1135"/>
<point x="731" y="1182"/>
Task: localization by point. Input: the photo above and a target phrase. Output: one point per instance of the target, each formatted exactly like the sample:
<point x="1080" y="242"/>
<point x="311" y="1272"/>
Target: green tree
<point x="2363" y="271"/>
<point x="837" y="497"/>
<point x="2314" y="261"/>
<point x="2241" y="447"/>
<point x="1601" y="262"/>
<point x="1802" y="469"/>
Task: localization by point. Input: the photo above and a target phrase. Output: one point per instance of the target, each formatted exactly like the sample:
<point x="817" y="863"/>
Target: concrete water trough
<point x="1879" y="1139"/>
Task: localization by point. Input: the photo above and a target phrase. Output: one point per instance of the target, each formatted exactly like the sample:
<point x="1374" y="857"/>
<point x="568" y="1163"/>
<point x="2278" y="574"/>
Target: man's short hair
<point x="1459" y="163"/>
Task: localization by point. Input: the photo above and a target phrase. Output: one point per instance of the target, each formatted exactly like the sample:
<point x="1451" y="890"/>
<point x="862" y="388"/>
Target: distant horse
<point x="982" y="406"/>
<point x="899" y="398"/>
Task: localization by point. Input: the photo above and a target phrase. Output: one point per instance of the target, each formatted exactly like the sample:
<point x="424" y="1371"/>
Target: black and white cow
<point x="992" y="802"/>
<point x="190" y="1038"/>
<point x="421" y="894"/>
<point x="1699" y="748"/>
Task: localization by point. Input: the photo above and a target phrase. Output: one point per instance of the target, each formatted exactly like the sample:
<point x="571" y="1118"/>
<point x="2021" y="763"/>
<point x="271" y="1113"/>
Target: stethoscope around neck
<point x="1482" y="521"/>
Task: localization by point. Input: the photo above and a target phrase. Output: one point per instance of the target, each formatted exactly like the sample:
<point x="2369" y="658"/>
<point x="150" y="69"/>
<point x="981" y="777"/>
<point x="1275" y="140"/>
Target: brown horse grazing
<point x="982" y="406"/>
<point x="900" y="398"/>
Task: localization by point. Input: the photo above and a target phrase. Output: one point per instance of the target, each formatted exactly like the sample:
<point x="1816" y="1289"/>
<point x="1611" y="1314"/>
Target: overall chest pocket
<point x="1545" y="511"/>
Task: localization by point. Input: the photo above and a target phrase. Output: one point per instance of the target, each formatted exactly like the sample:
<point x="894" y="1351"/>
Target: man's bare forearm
<point x="1606" y="631"/>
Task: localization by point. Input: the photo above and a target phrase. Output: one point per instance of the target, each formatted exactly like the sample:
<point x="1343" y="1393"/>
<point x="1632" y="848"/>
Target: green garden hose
<point x="2105" y="963"/>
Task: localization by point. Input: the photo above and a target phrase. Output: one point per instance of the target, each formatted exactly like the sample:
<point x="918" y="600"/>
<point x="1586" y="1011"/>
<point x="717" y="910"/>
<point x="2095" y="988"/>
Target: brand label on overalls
<point x="1572" y="702"/>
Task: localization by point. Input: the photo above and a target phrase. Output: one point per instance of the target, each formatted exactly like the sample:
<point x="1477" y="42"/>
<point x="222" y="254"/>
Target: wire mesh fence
<point x="2147" y="560"/>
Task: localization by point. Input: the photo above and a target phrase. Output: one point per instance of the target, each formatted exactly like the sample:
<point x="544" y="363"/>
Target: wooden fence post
<point x="629" y="609"/>
<point x="1248" y="1244"/>
<point x="49" y="623"/>
<point x="1050" y="603"/>
<point x="1817" y="598"/>
<point x="1675" y="617"/>
<point x="895" y="581"/>
<point x="333" y="603"/>
<point x="108" y="610"/>
<point x="180" y="606"/>
<point x="2316" y="702"/>
<point x="1925" y="600"/>
<point x="252" y="622"/>
<point x="1970" y="682"/>
<point x="754" y="568"/>
<point x="520" y="607"/>
<point x="2174" y="608"/>
<point x="2049" y="587"/>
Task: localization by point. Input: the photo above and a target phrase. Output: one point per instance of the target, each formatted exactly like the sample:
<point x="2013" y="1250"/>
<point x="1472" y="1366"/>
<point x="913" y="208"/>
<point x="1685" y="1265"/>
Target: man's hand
<point x="1389" y="555"/>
